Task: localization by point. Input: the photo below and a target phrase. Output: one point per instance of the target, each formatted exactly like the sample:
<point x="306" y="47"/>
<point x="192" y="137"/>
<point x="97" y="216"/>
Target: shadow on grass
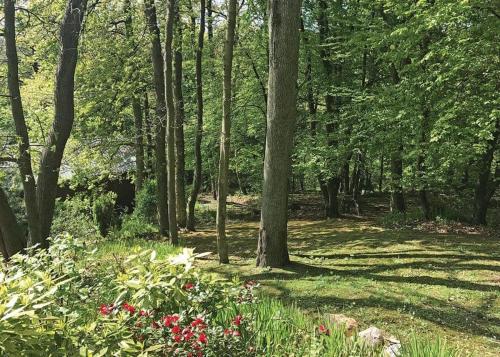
<point x="440" y="312"/>
<point x="357" y="251"/>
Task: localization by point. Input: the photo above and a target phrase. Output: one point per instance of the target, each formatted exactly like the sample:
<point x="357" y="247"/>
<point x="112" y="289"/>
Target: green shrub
<point x="134" y="226"/>
<point x="74" y="216"/>
<point x="103" y="211"/>
<point x="146" y="204"/>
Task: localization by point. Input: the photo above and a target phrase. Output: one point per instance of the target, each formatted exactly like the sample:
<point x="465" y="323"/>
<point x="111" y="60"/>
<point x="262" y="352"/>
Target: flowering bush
<point x="172" y="309"/>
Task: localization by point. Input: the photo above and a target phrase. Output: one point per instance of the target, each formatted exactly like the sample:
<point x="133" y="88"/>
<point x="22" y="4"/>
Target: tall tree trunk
<point x="381" y="175"/>
<point x="199" y="126"/>
<point x="161" y="114"/>
<point x="225" y="137"/>
<point x="486" y="185"/>
<point x="169" y="98"/>
<point x="210" y="21"/>
<point x="422" y="191"/>
<point x="397" y="195"/>
<point x="180" y="164"/>
<point x="284" y="23"/>
<point x="136" y="105"/>
<point x="313" y="107"/>
<point x="12" y="239"/>
<point x="53" y="151"/>
<point x="24" y="160"/>
<point x="149" y="136"/>
<point x="332" y="108"/>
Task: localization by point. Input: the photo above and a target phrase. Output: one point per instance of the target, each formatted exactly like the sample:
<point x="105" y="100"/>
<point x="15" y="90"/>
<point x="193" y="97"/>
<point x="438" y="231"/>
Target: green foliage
<point x="146" y="204"/>
<point x="74" y="216"/>
<point x="436" y="348"/>
<point x="133" y="227"/>
<point x="103" y="211"/>
<point x="38" y="292"/>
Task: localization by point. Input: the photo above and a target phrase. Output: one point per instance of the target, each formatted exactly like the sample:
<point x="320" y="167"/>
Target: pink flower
<point x="187" y="333"/>
<point x="237" y="320"/>
<point x="203" y="338"/>
<point x="236" y="333"/>
<point x="143" y="313"/>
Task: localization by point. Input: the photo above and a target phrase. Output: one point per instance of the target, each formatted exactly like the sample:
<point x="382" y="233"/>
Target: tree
<point x="225" y="139"/>
<point x="284" y="23"/>
<point x="64" y="114"/>
<point x="136" y="105"/>
<point x="161" y="115"/>
<point x="169" y="98"/>
<point x="24" y="159"/>
<point x="180" y="184"/>
<point x="199" y="124"/>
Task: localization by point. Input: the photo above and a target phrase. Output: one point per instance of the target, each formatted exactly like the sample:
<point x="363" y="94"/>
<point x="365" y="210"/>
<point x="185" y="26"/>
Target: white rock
<point x="372" y="336"/>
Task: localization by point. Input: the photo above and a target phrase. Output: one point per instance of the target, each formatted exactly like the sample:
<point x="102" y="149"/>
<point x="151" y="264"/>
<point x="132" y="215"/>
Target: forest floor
<point x="428" y="281"/>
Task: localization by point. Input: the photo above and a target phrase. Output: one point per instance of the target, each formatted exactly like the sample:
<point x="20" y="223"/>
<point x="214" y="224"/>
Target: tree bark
<point x="136" y="106"/>
<point x="199" y="125"/>
<point x="24" y="159"/>
<point x="422" y="191"/>
<point x="486" y="185"/>
<point x="62" y="125"/>
<point x="180" y="164"/>
<point x="284" y="23"/>
<point x="397" y="195"/>
<point x="169" y="98"/>
<point x="381" y="174"/>
<point x="225" y="138"/>
<point x="332" y="108"/>
<point x="161" y="114"/>
<point x="149" y="136"/>
<point x="12" y="239"/>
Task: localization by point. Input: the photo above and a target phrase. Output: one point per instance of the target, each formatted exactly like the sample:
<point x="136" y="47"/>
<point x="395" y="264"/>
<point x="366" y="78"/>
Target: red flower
<point x="129" y="308"/>
<point x="188" y="286"/>
<point x="177" y="338"/>
<point x="203" y="338"/>
<point x="176" y="329"/>
<point x="323" y="330"/>
<point x="198" y="322"/>
<point x="106" y="309"/>
<point x="170" y="320"/>
<point x="228" y="331"/>
<point x="237" y="320"/>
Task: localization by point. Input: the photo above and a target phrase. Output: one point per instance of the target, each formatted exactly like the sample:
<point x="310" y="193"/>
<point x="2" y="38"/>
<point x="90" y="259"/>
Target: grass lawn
<point x="402" y="281"/>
